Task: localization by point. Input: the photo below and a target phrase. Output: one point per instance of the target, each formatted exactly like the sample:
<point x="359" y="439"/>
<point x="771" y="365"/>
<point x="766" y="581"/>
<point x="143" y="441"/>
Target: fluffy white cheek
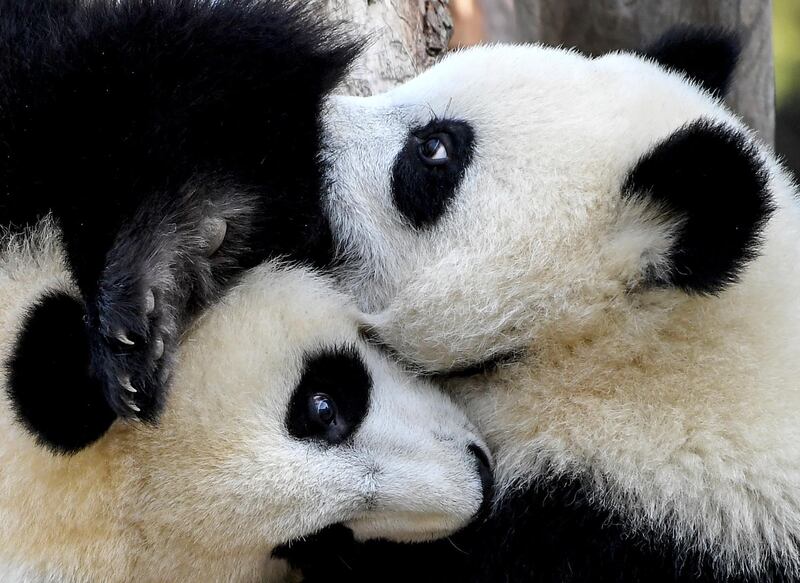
<point x="244" y="490"/>
<point x="490" y="300"/>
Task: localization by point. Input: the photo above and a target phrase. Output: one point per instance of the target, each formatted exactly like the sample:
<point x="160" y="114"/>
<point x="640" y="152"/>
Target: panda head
<point x="313" y="421"/>
<point x="282" y="421"/>
<point x="318" y="426"/>
<point x="512" y="195"/>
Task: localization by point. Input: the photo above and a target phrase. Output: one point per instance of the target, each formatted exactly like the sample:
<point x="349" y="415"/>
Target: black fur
<point x="706" y="55"/>
<point x="555" y="532"/>
<point x="713" y="180"/>
<point x="341" y="376"/>
<point x="49" y="387"/>
<point x="423" y="192"/>
<point x="135" y="121"/>
<point x="333" y="555"/>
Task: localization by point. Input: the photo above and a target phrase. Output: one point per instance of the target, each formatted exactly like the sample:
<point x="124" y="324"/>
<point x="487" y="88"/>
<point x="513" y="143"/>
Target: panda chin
<point x="402" y="527"/>
<point x="482" y="367"/>
<point x="487" y="365"/>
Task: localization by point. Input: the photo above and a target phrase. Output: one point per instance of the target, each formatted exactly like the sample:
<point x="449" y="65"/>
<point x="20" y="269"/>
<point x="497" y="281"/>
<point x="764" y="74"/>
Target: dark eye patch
<point x="423" y="185"/>
<point x="332" y="397"/>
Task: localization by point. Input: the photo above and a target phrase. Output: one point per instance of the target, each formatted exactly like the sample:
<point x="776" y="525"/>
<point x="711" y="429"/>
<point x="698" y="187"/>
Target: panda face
<point x="513" y="194"/>
<point x="282" y="421"/>
<point x="309" y="425"/>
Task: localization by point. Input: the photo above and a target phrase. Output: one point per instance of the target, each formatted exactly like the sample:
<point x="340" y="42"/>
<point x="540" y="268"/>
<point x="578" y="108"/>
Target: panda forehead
<point x="507" y="92"/>
<point x="494" y="87"/>
<point x="274" y="318"/>
<point x="533" y="83"/>
<point x="488" y="71"/>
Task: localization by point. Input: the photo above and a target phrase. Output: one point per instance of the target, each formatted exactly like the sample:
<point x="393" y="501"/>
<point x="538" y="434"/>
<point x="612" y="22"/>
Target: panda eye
<point x="323" y="409"/>
<point x="332" y="397"/>
<point x="434" y="150"/>
<point x="429" y="168"/>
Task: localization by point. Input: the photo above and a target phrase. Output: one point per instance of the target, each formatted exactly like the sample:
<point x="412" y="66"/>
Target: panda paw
<point x="154" y="280"/>
<point x="175" y="257"/>
<point x="133" y="349"/>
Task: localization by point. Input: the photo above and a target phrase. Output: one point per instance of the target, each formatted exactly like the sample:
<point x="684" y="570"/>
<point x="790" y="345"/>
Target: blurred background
<point x="786" y="40"/>
<point x="596" y="26"/>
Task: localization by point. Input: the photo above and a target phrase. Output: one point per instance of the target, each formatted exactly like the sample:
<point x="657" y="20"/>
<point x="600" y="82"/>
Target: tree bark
<point x="404" y="38"/>
<point x="597" y="26"/>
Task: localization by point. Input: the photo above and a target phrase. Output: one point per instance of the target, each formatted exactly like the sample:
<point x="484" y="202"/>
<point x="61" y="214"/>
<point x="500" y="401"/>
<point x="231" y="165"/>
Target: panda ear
<point x="706" y="55"/>
<point x="712" y="184"/>
<point x="49" y="385"/>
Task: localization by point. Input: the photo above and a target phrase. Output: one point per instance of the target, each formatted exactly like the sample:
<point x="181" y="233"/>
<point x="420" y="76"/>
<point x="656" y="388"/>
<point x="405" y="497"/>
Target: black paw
<point x="133" y="338"/>
<point x="175" y="257"/>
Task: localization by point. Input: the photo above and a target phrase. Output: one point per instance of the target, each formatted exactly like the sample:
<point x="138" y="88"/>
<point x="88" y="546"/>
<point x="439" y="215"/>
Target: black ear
<point x="711" y="178"/>
<point x="49" y="385"/>
<point x="706" y="55"/>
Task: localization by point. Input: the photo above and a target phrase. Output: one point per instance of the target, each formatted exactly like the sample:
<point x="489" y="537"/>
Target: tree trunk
<point x="597" y="26"/>
<point x="405" y="37"/>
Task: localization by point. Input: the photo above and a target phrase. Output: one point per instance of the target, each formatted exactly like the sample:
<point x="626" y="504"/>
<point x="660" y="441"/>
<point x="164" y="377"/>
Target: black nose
<point x="487" y="477"/>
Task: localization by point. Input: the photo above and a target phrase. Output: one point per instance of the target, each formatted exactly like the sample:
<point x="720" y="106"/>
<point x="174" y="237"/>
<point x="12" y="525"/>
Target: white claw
<point x="132" y="406"/>
<point x="215" y="230"/>
<point x="122" y="337"/>
<point x="126" y="384"/>
<point x="158" y="348"/>
<point x="149" y="302"/>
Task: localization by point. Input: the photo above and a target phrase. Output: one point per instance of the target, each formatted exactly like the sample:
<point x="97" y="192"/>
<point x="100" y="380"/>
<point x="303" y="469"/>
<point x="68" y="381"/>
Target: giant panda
<point x="175" y="143"/>
<point x="602" y="263"/>
<point x="282" y="420"/>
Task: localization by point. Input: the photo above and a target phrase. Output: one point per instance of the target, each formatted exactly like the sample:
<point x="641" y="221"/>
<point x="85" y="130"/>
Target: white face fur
<point x="679" y="405"/>
<point x="239" y="463"/>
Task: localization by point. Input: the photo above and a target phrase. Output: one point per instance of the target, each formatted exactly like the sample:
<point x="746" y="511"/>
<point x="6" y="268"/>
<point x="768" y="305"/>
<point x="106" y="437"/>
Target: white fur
<point x="682" y="410"/>
<point x="209" y="491"/>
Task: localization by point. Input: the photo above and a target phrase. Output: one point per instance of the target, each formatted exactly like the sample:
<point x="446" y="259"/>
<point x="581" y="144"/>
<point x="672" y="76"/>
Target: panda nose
<point x="487" y="477"/>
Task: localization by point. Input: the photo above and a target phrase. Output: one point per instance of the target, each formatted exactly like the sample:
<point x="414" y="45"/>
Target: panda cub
<point x="603" y="264"/>
<point x="175" y="143"/>
<point x="281" y="421"/>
